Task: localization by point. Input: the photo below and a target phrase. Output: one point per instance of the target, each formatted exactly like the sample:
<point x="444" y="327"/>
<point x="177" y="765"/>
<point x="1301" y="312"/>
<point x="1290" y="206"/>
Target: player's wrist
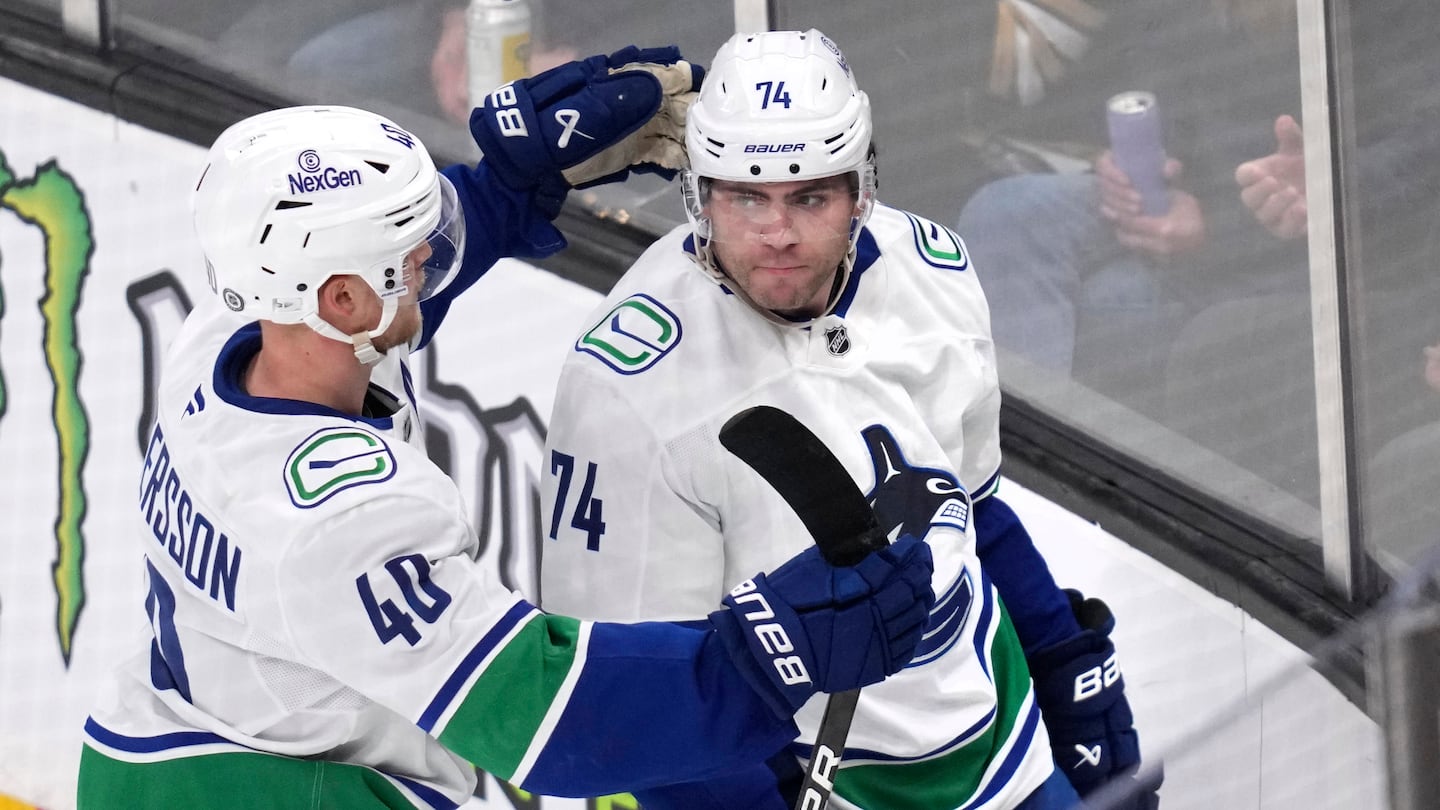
<point x="756" y="665"/>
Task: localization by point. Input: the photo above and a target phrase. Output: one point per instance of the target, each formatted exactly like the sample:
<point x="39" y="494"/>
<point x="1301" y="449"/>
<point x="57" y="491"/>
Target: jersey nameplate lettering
<point x="208" y="557"/>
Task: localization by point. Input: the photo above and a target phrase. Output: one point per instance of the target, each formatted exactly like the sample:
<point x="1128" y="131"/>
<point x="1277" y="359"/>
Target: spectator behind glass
<point x="1078" y="281"/>
<point x="1393" y="170"/>
<point x="1404" y="476"/>
<point x="412" y="53"/>
<point x="422" y="62"/>
<point x="1210" y="304"/>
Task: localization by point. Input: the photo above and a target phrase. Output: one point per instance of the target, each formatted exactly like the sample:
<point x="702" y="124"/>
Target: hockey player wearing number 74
<point x="791" y="286"/>
<point x="322" y="635"/>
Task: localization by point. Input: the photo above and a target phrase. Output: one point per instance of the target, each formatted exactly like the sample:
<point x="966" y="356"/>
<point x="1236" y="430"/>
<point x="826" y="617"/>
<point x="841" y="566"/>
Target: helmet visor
<point x="447" y="243"/>
<point x="781" y="213"/>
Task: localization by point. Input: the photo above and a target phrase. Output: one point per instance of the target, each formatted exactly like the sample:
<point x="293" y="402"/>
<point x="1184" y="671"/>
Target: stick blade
<point x="809" y="477"/>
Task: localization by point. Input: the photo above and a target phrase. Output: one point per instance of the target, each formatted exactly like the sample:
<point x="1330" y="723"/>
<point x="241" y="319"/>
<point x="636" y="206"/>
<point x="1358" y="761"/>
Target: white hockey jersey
<point x="650" y="518"/>
<point x="315" y="600"/>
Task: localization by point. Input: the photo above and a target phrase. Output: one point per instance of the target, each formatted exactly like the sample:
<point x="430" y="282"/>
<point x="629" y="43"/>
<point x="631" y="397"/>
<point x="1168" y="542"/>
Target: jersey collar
<point x="230" y="367"/>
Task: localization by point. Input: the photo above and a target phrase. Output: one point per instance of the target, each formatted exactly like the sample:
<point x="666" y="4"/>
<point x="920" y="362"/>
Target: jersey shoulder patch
<point x="633" y="335"/>
<point x="937" y="245"/>
<point x="334" y="459"/>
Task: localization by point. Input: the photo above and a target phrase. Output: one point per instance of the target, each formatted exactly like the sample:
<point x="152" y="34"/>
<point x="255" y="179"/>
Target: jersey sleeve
<point x="979" y="461"/>
<point x="385" y="600"/>
<point x="625" y="541"/>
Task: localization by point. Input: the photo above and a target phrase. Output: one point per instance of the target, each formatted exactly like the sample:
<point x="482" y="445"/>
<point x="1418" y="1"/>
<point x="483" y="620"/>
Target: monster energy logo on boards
<point x="52" y="202"/>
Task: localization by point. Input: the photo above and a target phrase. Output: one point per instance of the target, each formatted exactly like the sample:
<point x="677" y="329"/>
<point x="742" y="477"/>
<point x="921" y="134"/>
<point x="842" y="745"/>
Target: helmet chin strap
<point x="362" y="341"/>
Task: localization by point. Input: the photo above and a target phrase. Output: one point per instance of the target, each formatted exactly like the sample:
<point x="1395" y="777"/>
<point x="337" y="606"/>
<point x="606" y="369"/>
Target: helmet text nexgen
<point x="323" y="180"/>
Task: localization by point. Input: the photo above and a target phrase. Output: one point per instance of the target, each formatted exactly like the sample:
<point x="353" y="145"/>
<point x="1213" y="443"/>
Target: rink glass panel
<point x="1201" y="364"/>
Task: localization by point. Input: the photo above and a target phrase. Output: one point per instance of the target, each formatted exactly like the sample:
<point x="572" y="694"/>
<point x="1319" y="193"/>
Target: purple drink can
<point x="1134" y="120"/>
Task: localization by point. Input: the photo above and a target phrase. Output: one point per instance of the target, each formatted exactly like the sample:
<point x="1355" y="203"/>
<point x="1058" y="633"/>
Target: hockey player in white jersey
<point x="793" y="287"/>
<point x="322" y="634"/>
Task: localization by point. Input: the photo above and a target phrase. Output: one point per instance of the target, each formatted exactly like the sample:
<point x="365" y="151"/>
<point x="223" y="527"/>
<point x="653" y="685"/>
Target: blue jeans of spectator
<point x="1058" y="283"/>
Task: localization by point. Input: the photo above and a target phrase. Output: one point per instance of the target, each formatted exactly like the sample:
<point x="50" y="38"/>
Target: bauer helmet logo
<point x="773" y="148"/>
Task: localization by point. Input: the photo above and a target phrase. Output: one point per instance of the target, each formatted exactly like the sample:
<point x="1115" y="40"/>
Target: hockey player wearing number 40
<point x="792" y="287"/>
<point x="323" y="636"/>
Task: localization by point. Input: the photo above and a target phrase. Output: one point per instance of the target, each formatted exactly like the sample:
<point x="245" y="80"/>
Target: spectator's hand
<point x="1178" y="230"/>
<point x="1432" y="367"/>
<point x="1273" y="187"/>
<point x="809" y="626"/>
<point x="589" y="122"/>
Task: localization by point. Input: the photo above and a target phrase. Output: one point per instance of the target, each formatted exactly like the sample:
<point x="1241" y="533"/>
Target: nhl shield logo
<point x="837" y="340"/>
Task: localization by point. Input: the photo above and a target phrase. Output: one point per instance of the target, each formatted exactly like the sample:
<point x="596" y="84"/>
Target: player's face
<point x="406" y="324"/>
<point x="782" y="242"/>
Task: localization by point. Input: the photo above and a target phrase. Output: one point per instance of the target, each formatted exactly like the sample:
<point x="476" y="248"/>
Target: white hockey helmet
<point x="778" y="106"/>
<point x="289" y="198"/>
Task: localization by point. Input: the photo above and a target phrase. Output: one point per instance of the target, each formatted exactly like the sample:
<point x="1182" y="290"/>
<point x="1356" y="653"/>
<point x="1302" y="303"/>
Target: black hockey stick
<point x="834" y="510"/>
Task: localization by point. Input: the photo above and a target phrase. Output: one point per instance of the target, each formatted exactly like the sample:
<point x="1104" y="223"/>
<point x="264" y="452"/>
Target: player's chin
<point x="782" y="297"/>
<point x="402" y="330"/>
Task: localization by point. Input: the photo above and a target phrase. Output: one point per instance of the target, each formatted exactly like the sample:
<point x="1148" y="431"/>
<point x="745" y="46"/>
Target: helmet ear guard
<point x="775" y="107"/>
<point x="291" y="197"/>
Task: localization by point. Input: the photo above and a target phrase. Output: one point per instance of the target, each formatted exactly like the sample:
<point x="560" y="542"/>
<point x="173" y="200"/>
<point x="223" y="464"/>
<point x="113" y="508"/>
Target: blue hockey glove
<point x="808" y="626"/>
<point x="1082" y="698"/>
<point x="590" y="121"/>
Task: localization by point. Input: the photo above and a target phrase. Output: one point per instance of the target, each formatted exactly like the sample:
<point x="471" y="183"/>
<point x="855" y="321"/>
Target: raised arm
<point x="547" y="702"/>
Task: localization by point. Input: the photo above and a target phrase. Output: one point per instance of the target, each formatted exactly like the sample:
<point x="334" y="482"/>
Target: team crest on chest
<point x="837" y="340"/>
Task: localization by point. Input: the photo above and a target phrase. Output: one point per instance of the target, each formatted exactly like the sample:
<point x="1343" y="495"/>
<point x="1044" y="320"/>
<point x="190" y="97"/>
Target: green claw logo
<point x="52" y="202"/>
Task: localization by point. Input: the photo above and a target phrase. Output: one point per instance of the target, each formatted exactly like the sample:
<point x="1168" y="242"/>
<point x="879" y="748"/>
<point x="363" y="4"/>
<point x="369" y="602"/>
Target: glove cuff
<point x="752" y="663"/>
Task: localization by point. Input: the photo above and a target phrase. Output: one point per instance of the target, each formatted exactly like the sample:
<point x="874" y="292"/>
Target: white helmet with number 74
<point x="291" y="197"/>
<point x="776" y="107"/>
